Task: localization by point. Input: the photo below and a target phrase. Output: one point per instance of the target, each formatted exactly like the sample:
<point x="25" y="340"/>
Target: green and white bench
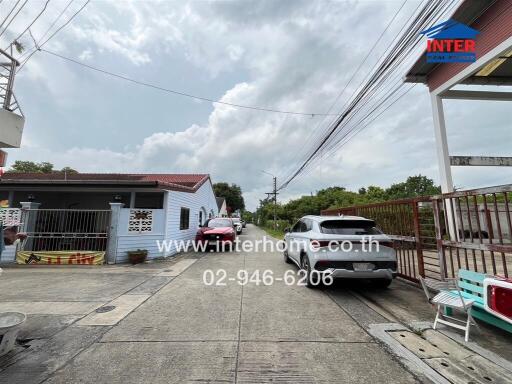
<point x="465" y="294"/>
<point x="471" y="286"/>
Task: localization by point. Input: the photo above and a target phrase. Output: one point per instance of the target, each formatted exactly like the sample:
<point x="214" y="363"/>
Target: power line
<point x="9" y="14"/>
<point x="32" y="23"/>
<point x="38" y="47"/>
<point x="377" y="80"/>
<point x="56" y="20"/>
<point x="370" y="72"/>
<point x="355" y="72"/>
<point x="179" y="93"/>
<point x="14" y="16"/>
<point x="357" y="131"/>
<point x="378" y="103"/>
<point x="36" y="43"/>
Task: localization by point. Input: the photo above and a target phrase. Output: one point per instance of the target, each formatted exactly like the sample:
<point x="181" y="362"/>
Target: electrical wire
<point x="32" y="23"/>
<point x="379" y="102"/>
<point x="430" y="12"/>
<point x="179" y="93"/>
<point x="14" y="16"/>
<point x="356" y="132"/>
<point x="39" y="46"/>
<point x="36" y="43"/>
<point x="9" y="14"/>
<point x="312" y="132"/>
<point x="399" y="34"/>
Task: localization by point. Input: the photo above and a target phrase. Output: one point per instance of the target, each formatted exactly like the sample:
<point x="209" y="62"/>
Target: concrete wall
<point x="487" y="219"/>
<point x="130" y="241"/>
<point x="9" y="254"/>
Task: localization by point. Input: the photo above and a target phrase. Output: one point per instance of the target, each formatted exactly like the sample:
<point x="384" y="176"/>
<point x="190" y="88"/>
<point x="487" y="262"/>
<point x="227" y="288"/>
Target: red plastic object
<point x="499" y="299"/>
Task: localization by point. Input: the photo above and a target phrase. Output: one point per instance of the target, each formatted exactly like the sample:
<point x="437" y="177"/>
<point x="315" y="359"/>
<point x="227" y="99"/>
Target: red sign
<point x="3" y="158"/>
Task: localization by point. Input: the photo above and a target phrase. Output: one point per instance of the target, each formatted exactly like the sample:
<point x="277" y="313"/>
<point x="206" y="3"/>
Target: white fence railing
<point x="10" y="217"/>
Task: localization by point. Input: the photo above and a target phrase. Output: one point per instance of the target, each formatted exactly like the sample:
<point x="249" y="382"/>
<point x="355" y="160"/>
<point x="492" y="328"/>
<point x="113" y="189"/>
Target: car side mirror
<point x="287" y="230"/>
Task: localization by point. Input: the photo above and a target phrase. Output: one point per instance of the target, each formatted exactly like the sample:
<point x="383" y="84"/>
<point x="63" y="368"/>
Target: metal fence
<point x="474" y="231"/>
<point x="65" y="229"/>
<point x="402" y="220"/>
<point x="436" y="236"/>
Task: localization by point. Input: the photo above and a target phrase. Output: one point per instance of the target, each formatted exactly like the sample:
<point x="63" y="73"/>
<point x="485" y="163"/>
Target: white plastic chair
<point x="447" y="298"/>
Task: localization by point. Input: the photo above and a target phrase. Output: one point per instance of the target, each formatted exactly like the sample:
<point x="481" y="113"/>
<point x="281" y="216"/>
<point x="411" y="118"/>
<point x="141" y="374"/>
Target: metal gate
<point x="410" y="224"/>
<point x="65" y="229"/>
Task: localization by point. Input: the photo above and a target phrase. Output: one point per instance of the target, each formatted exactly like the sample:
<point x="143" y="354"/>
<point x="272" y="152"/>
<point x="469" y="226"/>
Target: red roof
<point x="173" y="181"/>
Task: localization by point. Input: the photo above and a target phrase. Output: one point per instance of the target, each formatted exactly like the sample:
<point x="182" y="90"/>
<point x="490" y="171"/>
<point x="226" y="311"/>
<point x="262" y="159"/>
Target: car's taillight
<point x="320" y="243"/>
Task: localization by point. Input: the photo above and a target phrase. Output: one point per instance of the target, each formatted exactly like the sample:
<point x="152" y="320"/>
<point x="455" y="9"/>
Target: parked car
<point x="338" y="246"/>
<point x="243" y="223"/>
<point x="238" y="225"/>
<point x="217" y="232"/>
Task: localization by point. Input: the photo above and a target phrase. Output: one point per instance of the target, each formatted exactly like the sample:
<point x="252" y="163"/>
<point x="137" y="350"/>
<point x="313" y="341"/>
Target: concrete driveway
<point x="169" y="327"/>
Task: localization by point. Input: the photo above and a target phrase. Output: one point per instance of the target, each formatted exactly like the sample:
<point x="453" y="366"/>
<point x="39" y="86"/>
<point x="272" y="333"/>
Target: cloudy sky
<point x="289" y="55"/>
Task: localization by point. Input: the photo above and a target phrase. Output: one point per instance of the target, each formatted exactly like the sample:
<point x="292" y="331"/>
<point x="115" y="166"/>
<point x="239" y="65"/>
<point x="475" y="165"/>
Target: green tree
<point x="414" y="186"/>
<point x="68" y="170"/>
<point x="31" y="167"/>
<point x="232" y="193"/>
<point x="339" y="197"/>
<point x="247" y="216"/>
<point x="376" y="194"/>
<point x="20" y="166"/>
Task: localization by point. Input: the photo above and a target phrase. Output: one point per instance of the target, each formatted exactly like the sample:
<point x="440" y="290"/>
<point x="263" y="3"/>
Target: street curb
<point x="409" y="359"/>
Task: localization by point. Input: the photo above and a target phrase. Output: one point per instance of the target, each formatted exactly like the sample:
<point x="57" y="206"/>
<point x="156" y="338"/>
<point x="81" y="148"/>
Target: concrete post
<point x="29" y="219"/>
<point x="113" y="232"/>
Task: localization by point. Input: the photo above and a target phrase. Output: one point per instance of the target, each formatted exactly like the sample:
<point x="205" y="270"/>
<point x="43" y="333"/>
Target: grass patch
<point x="277" y="233"/>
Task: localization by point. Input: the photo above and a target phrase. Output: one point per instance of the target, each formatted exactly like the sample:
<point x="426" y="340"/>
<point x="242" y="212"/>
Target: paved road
<point x="187" y="332"/>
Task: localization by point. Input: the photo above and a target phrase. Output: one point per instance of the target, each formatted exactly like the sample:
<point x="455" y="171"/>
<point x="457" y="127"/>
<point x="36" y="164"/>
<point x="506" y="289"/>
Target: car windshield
<point x="349" y="227"/>
<point x="218" y="223"/>
<point x="235" y="219"/>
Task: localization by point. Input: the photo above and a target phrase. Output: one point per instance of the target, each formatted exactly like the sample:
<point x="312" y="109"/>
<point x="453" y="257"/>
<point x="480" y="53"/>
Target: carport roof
<point x="171" y="181"/>
<point x="499" y="71"/>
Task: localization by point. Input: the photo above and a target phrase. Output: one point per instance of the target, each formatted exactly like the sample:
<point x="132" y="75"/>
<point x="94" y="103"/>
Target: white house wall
<point x="9" y="254"/>
<point x="203" y="197"/>
<point x="130" y="241"/>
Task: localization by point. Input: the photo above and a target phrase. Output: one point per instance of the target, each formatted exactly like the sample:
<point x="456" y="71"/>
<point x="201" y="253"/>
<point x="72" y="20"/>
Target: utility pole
<point x="274" y="193"/>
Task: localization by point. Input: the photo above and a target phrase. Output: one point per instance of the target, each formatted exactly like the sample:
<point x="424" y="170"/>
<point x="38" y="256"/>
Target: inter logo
<point x="451" y="42"/>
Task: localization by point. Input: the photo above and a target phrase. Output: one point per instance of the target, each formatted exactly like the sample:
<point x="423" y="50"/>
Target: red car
<point x="218" y="232"/>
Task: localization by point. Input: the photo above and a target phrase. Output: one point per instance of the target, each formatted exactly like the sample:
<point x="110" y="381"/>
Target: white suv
<point x="340" y="247"/>
<point x="238" y="225"/>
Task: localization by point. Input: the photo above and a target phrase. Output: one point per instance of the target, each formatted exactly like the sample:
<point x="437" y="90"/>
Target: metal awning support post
<point x="443" y="157"/>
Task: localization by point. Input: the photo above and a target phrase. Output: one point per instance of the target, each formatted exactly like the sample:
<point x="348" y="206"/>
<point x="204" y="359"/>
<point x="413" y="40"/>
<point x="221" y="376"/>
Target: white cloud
<point x="290" y="56"/>
<point x="86" y="55"/>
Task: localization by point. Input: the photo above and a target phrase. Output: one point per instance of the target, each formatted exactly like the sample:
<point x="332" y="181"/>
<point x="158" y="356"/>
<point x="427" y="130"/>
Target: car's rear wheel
<point x="382" y="283"/>
<point x="306" y="267"/>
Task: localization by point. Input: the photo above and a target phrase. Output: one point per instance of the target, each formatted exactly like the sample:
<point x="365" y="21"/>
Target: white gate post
<point x="113" y="232"/>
